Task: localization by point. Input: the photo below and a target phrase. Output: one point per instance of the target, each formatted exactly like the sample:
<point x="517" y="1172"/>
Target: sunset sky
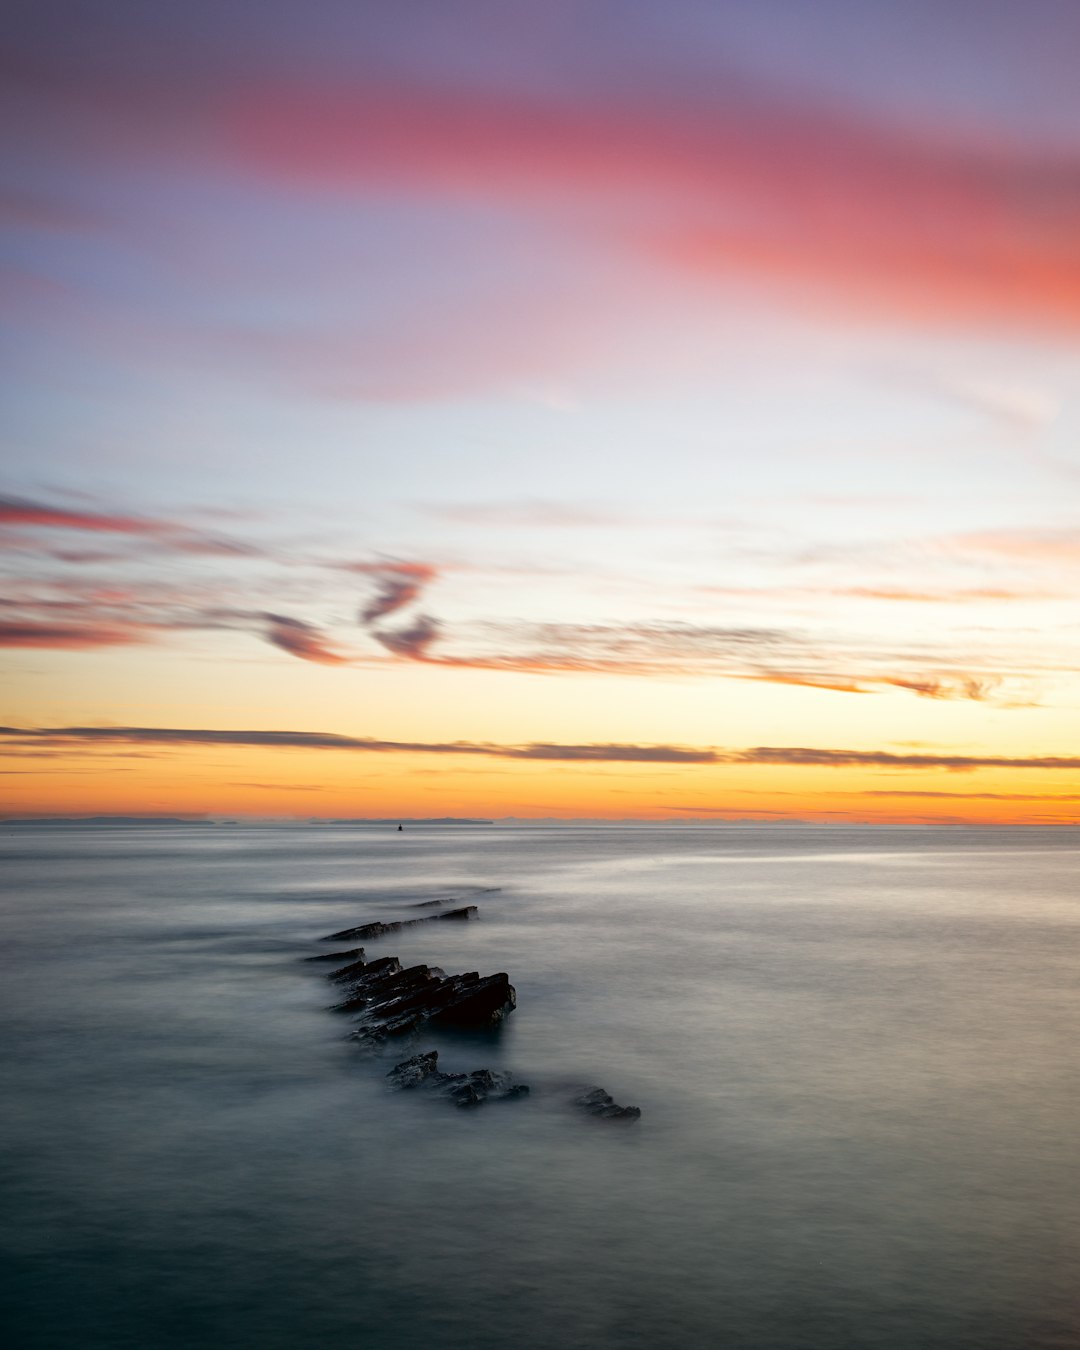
<point x="662" y="409"/>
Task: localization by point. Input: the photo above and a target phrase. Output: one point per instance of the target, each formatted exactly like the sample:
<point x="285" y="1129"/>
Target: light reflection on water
<point x="854" y="1051"/>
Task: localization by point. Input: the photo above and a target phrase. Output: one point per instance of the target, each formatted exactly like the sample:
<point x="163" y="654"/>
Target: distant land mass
<point x="104" y="820"/>
<point x="234" y="820"/>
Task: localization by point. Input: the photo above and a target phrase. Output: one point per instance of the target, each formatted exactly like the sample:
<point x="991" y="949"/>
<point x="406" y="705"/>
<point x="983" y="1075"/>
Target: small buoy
<point x="401" y="827"/>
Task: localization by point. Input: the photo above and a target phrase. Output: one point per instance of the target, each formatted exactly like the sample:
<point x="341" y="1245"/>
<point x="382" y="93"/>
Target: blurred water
<point x="855" y="1052"/>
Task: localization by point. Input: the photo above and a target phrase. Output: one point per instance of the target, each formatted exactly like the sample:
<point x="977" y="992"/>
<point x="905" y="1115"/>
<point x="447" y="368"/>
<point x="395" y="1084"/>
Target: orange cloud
<point x="1033" y="545"/>
<point x="960" y="596"/>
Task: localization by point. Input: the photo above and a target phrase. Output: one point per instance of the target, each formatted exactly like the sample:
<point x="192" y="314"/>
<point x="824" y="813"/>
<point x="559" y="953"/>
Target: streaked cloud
<point x="16" y="511"/>
<point x="398" y="584"/>
<point x="976" y="796"/>
<point x="301" y="639"/>
<point x="60" y="738"/>
<point x="21" y="513"/>
<point x="1046" y="545"/>
<point x="530" y="514"/>
<point x="682" y="650"/>
<point x="68" y="636"/>
<point x="412" y="642"/>
<point x="885" y="759"/>
<point x="741" y="185"/>
<point x="959" y="596"/>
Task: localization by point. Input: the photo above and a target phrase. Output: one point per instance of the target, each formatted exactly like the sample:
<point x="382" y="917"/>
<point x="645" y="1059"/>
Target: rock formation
<point x="463" y="1089"/>
<point x="597" y="1102"/>
<point x="390" y="1001"/>
<point x="367" y="931"/>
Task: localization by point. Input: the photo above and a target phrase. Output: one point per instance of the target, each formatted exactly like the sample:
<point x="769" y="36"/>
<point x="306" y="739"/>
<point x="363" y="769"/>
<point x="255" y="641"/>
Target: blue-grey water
<point x="855" y="1050"/>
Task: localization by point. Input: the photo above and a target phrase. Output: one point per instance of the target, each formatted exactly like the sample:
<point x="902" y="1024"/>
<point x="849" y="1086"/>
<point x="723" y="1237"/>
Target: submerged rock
<point x="355" y="954"/>
<point x="366" y="932"/>
<point x="597" y="1102"/>
<point x="463" y="1089"/>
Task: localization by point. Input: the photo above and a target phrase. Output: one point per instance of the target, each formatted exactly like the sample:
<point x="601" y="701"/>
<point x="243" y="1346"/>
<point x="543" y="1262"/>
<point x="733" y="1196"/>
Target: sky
<point x="626" y="410"/>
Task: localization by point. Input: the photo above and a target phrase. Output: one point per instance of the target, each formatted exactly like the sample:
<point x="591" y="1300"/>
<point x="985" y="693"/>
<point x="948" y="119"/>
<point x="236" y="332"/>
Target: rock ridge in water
<point x="355" y="954"/>
<point x="391" y="1002"/>
<point x="463" y="1089"/>
<point x="396" y="1002"/>
<point x="367" y="931"/>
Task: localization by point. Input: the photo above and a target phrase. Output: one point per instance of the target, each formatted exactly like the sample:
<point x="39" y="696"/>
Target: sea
<point x="856" y="1052"/>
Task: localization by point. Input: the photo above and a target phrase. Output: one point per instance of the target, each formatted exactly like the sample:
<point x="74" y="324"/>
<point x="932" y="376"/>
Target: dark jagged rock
<point x="356" y="954"/>
<point x="463" y="1089"/>
<point x="395" y="1002"/>
<point x="597" y="1102"/>
<point x="390" y="1002"/>
<point x="366" y="932"/>
<point x="474" y="1002"/>
<point x="411" y="1073"/>
<point x="386" y="989"/>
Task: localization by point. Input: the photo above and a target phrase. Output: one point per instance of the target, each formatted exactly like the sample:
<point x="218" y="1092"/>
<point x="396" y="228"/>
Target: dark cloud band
<point x="58" y="738"/>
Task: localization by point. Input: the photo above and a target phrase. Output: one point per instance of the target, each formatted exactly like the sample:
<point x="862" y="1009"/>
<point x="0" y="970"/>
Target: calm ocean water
<point x="855" y="1050"/>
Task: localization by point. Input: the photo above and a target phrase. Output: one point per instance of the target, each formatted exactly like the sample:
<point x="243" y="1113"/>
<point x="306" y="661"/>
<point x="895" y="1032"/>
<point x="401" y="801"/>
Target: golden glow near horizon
<point x="596" y="445"/>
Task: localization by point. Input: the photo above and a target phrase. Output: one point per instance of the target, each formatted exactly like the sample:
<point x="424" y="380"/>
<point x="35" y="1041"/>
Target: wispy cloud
<point x="1047" y="545"/>
<point x="885" y="759"/>
<point x="964" y="595"/>
<point x="301" y="639"/>
<point x="792" y="193"/>
<point x="398" y="584"/>
<point x="988" y="796"/>
<point x="73" y="637"/>
<point x="412" y="642"/>
<point x="58" y="739"/>
<point x="630" y="649"/>
<point x="21" y="513"/>
<point x="680" y="650"/>
<point x="529" y="514"/>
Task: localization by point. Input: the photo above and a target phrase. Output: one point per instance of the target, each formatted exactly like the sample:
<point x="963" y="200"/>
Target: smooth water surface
<point x="855" y="1051"/>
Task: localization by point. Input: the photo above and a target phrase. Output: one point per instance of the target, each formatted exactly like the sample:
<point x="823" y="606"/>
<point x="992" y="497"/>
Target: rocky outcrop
<point x="462" y="1089"/>
<point x="368" y="931"/>
<point x="391" y="1001"/>
<point x="597" y="1102"/>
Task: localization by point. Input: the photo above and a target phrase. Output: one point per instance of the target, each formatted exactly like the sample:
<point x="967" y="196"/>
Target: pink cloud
<point x="301" y="639"/>
<point x="19" y="513"/>
<point x="398" y="584"/>
<point x="932" y="229"/>
<point x="70" y="637"/>
<point x="412" y="642"/>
